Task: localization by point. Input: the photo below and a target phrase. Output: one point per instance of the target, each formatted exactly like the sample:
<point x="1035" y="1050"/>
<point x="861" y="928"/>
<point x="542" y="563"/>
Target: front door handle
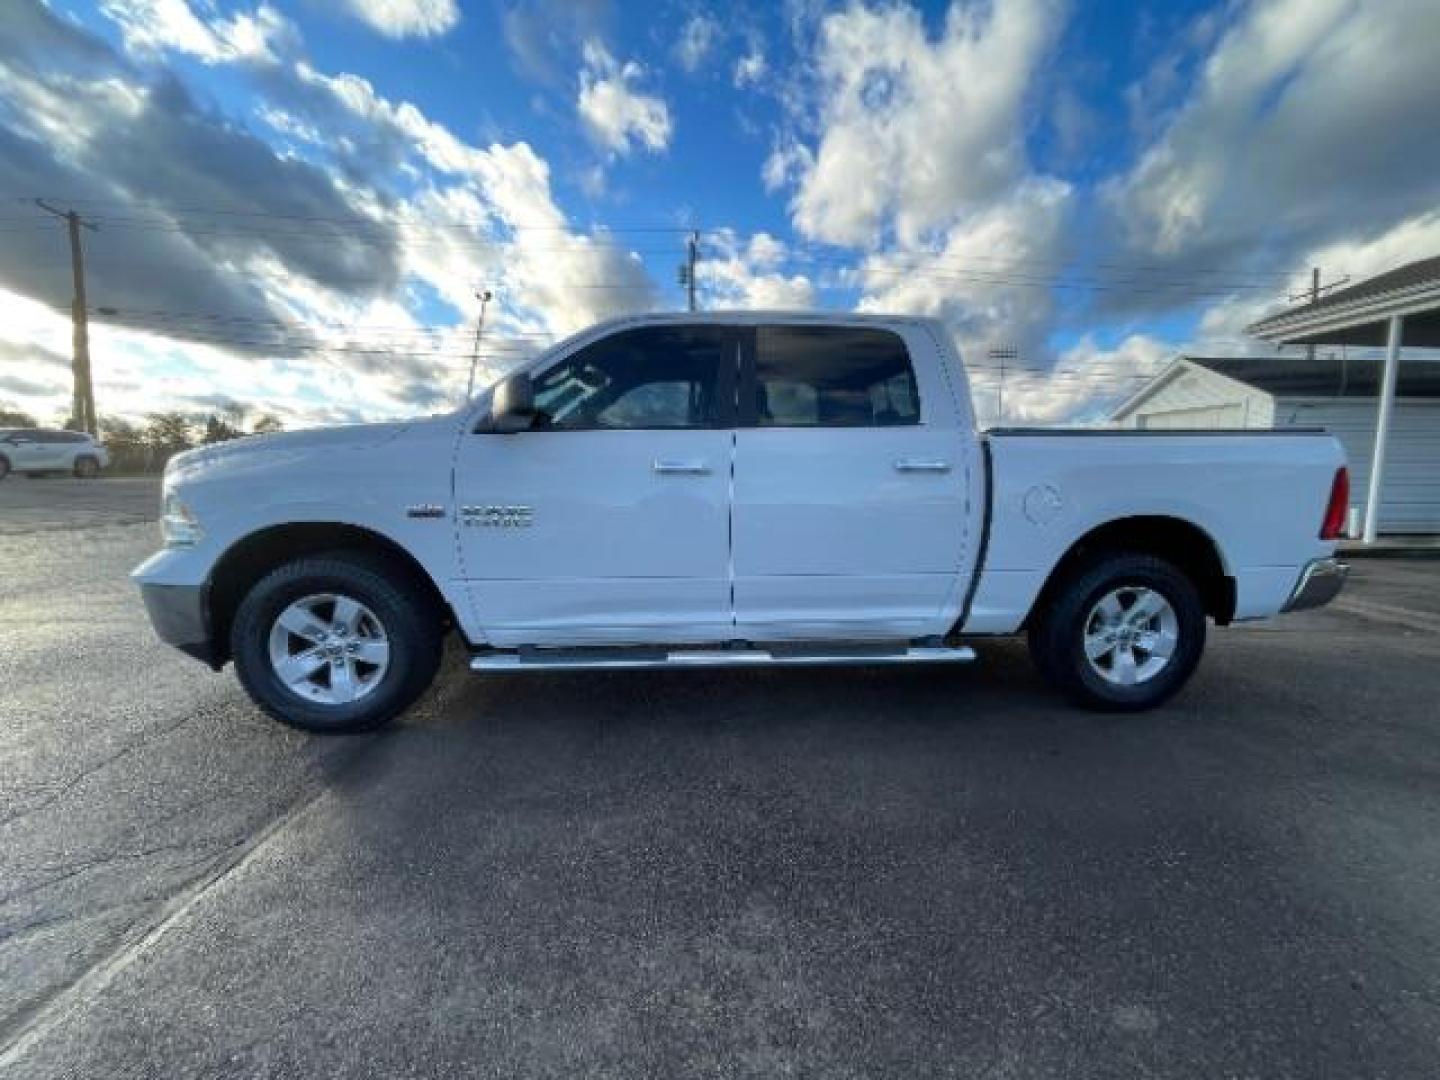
<point x="922" y="465"/>
<point x="694" y="468"/>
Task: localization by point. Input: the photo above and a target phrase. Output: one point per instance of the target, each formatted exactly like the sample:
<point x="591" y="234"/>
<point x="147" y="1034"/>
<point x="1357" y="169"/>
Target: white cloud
<point x="544" y="35"/>
<point x="140" y="371"/>
<point x="740" y="273"/>
<point x="490" y="217"/>
<point x="407" y="18"/>
<point x="978" y="277"/>
<point x="751" y="67"/>
<point x="913" y="130"/>
<point x="1305" y="113"/>
<point x="788" y="162"/>
<point x="1082" y="388"/>
<point x="1364" y="256"/>
<point x="698" y="38"/>
<point x="617" y="116"/>
<point x="150" y="26"/>
<point x="1085" y="384"/>
<point x="396" y="210"/>
<point x="1356" y="257"/>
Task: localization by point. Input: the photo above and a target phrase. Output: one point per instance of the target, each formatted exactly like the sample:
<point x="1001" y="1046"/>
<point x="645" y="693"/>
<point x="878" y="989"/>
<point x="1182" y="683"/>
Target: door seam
<point x="730" y="526"/>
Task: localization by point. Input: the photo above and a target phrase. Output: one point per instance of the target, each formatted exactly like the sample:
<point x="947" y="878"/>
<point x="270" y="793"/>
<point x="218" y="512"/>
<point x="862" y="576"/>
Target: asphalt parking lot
<point x="761" y="874"/>
<point x="49" y="503"/>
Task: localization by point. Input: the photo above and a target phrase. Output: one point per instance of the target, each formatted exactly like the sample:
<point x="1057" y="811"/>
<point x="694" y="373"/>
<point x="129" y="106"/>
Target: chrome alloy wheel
<point x="1131" y="635"/>
<point x="329" y="649"/>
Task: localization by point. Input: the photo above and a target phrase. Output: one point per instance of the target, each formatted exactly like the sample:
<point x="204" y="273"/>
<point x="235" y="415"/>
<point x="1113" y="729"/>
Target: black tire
<point x="86" y="467"/>
<point x="4" y="466"/>
<point x="401" y="604"/>
<point x="1057" y="633"/>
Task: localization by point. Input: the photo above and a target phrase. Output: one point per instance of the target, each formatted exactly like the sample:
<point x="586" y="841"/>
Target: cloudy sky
<point x="296" y="201"/>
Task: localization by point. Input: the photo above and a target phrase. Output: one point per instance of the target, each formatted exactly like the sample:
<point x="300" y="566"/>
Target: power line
<point x="203" y="211"/>
<point x="602" y="239"/>
<point x="171" y="315"/>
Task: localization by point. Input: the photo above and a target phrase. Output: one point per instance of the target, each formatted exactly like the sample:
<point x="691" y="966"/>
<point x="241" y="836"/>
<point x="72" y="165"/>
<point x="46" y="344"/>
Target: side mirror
<point x="512" y="405"/>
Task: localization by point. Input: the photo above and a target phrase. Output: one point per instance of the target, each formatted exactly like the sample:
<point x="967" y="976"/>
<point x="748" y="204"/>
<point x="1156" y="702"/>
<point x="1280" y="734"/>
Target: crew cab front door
<point x="608" y="521"/>
<point x="852" y="485"/>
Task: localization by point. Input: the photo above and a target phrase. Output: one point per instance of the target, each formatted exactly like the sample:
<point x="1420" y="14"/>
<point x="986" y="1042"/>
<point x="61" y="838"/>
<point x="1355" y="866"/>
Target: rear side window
<point x="833" y="376"/>
<point x="654" y="377"/>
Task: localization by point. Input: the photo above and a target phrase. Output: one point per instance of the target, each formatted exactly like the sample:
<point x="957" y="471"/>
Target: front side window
<point x="833" y="376"/>
<point x="652" y="377"/>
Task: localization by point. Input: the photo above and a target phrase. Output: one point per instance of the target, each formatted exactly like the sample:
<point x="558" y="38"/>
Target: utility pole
<point x="83" y="405"/>
<point x="1314" y="298"/>
<point x="1002" y="353"/>
<point x="1313" y="295"/>
<point x="484" y="297"/>
<point x="687" y="269"/>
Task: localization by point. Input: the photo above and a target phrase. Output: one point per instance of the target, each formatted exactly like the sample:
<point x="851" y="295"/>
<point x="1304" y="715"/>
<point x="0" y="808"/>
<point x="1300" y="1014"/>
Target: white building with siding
<point x="1333" y="392"/>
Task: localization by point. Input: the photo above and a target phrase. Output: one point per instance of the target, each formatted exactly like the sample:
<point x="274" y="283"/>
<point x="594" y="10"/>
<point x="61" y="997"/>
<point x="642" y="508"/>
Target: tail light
<point x="1333" y="526"/>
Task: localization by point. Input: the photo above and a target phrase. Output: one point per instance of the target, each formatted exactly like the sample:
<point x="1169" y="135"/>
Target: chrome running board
<point x="631" y="659"/>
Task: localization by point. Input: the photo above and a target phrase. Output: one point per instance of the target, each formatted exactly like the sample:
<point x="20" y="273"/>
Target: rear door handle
<point x="922" y="465"/>
<point x="693" y="468"/>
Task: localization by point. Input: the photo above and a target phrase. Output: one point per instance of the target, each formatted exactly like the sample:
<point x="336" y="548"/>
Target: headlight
<point x="178" y="523"/>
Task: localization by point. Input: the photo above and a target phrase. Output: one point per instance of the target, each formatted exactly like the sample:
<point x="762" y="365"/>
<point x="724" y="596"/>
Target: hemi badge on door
<point x="425" y="510"/>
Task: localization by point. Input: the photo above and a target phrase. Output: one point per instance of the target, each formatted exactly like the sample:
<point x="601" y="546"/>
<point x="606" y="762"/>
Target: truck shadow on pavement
<point x="849" y="872"/>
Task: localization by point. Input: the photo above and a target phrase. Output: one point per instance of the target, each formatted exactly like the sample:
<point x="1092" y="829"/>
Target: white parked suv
<point x="722" y="490"/>
<point x="34" y="451"/>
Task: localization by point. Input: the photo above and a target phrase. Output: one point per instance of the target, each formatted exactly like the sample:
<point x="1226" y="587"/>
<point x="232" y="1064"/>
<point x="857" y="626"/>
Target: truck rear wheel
<point x="335" y="643"/>
<point x="1121" y="633"/>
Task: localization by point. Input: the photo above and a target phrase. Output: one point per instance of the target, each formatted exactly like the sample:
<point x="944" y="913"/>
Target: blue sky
<point x="298" y="200"/>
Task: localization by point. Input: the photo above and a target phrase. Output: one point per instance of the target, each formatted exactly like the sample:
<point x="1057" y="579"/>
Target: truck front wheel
<point x="335" y="642"/>
<point x="1120" y="633"/>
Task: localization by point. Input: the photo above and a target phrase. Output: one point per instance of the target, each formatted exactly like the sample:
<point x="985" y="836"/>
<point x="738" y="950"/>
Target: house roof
<point x="1357" y="315"/>
<point x="1329" y="375"/>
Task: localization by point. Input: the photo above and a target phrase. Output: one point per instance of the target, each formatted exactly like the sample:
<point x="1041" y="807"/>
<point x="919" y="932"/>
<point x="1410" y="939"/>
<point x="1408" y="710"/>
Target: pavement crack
<point x="66" y="872"/>
<point x="38" y="925"/>
<point x="72" y="782"/>
<point x="29" y="1026"/>
<point x="1406" y="617"/>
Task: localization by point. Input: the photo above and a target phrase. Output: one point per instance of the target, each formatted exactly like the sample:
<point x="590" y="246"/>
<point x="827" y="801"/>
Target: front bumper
<point x="181" y="617"/>
<point x="1320" y="582"/>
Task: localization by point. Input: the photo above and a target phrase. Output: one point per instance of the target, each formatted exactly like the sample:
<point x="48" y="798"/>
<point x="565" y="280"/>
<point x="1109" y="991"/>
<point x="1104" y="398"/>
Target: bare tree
<point x="166" y="434"/>
<point x="13" y="418"/>
<point x="219" y="428"/>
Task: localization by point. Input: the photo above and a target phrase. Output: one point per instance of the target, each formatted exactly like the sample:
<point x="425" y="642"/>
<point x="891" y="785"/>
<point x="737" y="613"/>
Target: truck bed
<point x="1258" y="496"/>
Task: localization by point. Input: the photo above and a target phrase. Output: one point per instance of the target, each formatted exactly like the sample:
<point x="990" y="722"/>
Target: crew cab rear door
<point x="608" y="523"/>
<point x="851" y="478"/>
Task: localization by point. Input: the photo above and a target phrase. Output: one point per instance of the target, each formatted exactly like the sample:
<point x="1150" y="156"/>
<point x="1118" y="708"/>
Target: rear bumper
<point x="181" y="617"/>
<point x="1320" y="582"/>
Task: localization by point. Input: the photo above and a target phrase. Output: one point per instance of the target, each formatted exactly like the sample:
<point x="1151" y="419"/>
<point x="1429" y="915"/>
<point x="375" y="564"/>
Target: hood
<point x="281" y="446"/>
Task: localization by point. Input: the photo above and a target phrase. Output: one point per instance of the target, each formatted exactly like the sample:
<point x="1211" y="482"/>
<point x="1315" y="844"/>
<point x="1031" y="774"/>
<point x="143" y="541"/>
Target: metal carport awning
<point x="1398" y="308"/>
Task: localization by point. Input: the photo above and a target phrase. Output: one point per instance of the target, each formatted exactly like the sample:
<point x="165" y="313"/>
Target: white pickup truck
<point x="730" y="489"/>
